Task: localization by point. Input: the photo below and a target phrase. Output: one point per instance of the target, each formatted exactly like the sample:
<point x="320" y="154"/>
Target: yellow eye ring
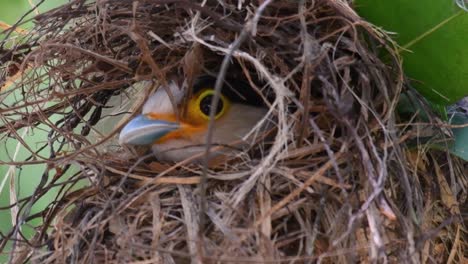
<point x="204" y="104"/>
<point x="199" y="106"/>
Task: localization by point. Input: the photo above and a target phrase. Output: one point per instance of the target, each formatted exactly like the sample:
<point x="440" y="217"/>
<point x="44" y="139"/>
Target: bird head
<point x="176" y="129"/>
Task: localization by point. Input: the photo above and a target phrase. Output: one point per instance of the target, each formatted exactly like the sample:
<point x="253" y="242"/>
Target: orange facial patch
<point x="194" y="120"/>
<point x="164" y="117"/>
<point x="185" y="131"/>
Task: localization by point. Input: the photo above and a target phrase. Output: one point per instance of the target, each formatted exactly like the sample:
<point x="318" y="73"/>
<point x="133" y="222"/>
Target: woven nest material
<point x="340" y="179"/>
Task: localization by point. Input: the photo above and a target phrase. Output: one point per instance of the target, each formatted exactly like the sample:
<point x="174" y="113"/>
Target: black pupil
<point x="205" y="105"/>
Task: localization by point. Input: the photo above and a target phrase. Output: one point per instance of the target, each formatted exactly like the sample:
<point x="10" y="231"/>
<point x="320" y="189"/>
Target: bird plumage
<point x="177" y="132"/>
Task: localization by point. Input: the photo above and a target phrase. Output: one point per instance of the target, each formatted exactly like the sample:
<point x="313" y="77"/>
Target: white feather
<point x="160" y="102"/>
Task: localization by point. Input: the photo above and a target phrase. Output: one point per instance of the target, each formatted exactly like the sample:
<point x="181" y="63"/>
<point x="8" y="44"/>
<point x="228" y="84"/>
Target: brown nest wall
<point x="340" y="179"/>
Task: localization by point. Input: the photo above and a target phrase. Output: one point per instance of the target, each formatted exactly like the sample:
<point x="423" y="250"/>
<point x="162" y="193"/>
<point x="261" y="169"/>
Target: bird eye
<point x="199" y="106"/>
<point x="205" y="105"/>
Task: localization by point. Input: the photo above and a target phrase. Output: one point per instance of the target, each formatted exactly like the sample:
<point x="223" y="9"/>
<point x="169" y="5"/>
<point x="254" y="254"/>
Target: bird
<point x="177" y="129"/>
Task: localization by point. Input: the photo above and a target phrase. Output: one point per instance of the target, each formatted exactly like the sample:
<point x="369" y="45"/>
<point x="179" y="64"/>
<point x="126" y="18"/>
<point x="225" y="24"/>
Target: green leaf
<point x="10" y="12"/>
<point x="433" y="35"/>
<point x="460" y="147"/>
<point x="408" y="106"/>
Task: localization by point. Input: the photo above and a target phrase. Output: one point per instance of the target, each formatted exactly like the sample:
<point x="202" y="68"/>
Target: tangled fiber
<point x="341" y="178"/>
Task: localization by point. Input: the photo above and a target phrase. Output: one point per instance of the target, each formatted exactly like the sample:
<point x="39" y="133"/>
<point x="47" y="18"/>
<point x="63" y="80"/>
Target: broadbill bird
<point x="176" y="129"/>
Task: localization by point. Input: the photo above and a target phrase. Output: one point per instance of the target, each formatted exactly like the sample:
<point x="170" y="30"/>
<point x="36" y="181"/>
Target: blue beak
<point x="144" y="131"/>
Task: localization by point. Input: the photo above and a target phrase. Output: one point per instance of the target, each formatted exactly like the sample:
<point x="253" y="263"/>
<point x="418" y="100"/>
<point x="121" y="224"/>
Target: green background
<point x="434" y="34"/>
<point x="26" y="178"/>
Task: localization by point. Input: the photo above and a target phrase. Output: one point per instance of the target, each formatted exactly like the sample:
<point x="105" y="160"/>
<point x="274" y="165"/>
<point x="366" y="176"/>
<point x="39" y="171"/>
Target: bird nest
<point x="340" y="178"/>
